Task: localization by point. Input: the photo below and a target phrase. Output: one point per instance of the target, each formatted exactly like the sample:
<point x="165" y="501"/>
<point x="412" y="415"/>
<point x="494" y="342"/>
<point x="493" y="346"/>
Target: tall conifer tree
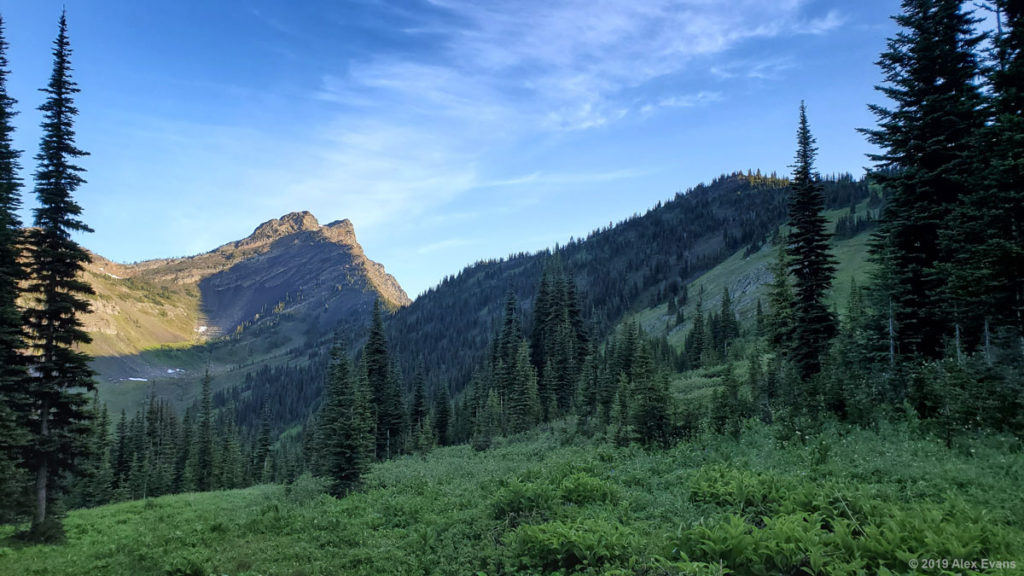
<point x="810" y="260"/>
<point x="204" y="438"/>
<point x="12" y="365"/>
<point x="926" y="140"/>
<point x="384" y="387"/>
<point x="60" y="372"/>
<point x="988" y="247"/>
<point x="346" y="425"/>
<point x="442" y="414"/>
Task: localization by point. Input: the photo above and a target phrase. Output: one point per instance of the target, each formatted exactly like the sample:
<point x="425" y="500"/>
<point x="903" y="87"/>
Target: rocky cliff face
<point x="318" y="275"/>
<point x="296" y="265"/>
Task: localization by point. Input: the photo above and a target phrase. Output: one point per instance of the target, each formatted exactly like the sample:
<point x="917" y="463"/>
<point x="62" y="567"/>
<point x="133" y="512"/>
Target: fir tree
<point x="759" y="324"/>
<point x="987" y="234"/>
<point x="487" y="423"/>
<point x="779" y="323"/>
<point x="204" y="438"/>
<point x="696" y="344"/>
<point x="386" y="398"/>
<point x="730" y="327"/>
<point x="261" y="456"/>
<point x="729" y="408"/>
<point x="346" y="422"/>
<point x="231" y="471"/>
<point x="13" y="408"/>
<point x="649" y="409"/>
<point x="810" y="260"/>
<point x="93" y="483"/>
<point x="930" y="69"/>
<point x="418" y="410"/>
<point x="61" y="376"/>
<point x="523" y="403"/>
<point x="442" y="415"/>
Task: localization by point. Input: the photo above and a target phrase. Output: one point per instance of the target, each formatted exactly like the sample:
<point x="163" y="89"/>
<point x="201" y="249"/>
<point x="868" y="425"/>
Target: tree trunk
<point x="43" y="471"/>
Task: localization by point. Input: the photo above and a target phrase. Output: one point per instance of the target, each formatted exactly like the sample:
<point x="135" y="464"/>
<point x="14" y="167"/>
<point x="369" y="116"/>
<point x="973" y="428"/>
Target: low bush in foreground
<point x="846" y="501"/>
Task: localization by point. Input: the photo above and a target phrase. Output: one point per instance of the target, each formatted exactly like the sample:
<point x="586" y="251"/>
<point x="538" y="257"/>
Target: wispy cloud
<point x="561" y="66"/>
<point x="763" y="69"/>
<point x="822" y="25"/>
<point x="405" y="128"/>
<point x="446" y="244"/>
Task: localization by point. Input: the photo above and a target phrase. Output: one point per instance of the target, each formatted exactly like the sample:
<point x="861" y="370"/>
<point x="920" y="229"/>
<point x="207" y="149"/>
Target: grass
<point x="553" y="502"/>
<point x="747" y="278"/>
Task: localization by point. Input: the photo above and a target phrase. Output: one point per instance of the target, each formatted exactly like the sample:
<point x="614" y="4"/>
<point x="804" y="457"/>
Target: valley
<point x="813" y="373"/>
<point x="158" y="325"/>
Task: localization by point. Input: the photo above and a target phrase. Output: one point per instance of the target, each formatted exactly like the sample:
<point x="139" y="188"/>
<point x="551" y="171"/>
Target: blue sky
<point x="448" y="131"/>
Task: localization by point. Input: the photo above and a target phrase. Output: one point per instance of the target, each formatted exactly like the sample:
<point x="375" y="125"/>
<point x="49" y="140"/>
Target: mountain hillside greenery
<point x="551" y="501"/>
<point x="618" y="270"/>
<point x="759" y="376"/>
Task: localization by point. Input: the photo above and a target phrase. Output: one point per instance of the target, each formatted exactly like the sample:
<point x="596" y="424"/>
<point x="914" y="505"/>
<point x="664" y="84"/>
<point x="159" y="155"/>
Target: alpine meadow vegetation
<point x="763" y="375"/>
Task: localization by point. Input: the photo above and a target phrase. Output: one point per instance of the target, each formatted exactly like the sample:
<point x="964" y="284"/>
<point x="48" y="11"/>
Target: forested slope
<point x="641" y="261"/>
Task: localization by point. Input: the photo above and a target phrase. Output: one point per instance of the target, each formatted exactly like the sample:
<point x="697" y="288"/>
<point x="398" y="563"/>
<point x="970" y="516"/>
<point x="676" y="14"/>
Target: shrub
<point x="517" y="500"/>
<point x="581" y="489"/>
<point x="592" y="543"/>
<point x="306" y="489"/>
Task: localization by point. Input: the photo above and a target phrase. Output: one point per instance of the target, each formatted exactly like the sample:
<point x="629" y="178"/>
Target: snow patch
<point x="114" y="276"/>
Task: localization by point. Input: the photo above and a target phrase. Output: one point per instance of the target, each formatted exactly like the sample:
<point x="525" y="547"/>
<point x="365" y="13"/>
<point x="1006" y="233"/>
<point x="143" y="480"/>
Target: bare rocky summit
<point x="291" y="265"/>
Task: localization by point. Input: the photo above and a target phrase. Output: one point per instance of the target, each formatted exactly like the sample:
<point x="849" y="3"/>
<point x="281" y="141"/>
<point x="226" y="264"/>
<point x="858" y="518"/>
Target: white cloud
<point x="823" y="25"/>
<point x="690" y="100"/>
<point x="538" y="65"/>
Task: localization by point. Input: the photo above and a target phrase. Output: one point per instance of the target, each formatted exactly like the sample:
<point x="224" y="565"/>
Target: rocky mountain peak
<point x="284" y="226"/>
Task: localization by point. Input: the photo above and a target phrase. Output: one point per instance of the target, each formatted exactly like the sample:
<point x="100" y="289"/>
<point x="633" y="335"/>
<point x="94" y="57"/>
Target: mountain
<point x="286" y="286"/>
<point x="277" y="297"/>
<point x="619" y="270"/>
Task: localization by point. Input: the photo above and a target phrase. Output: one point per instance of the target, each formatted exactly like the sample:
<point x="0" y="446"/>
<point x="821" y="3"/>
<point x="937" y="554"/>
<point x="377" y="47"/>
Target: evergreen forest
<point x="769" y="373"/>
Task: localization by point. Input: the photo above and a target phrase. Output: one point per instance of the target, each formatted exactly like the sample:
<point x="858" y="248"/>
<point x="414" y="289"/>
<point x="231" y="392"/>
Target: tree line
<point x="45" y="414"/>
<point x="936" y="332"/>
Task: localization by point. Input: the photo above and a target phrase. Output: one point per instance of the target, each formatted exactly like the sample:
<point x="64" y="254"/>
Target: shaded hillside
<point x="305" y="268"/>
<point x="747" y="276"/>
<point x="268" y="299"/>
<point x="635" y="264"/>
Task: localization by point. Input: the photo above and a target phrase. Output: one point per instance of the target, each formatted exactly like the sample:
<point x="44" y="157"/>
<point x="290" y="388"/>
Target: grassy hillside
<point x="619" y="270"/>
<point x="848" y="501"/>
<point x="747" y="277"/>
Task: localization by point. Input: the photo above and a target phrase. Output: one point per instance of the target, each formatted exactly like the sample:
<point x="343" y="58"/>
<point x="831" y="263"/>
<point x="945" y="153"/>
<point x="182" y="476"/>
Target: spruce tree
<point x="384" y="386"/>
<point x="730" y="327"/>
<point x="60" y="375"/>
<point x="926" y="139"/>
<point x="810" y="260"/>
<point x="418" y="410"/>
<point x="649" y="401"/>
<point x="346" y="421"/>
<point x="523" y="403"/>
<point x="487" y="423"/>
<point x="696" y="344"/>
<point x="261" y="456"/>
<point x="442" y="415"/>
<point x="204" y="438"/>
<point x="987" y="272"/>
<point x="13" y="432"/>
<point x="779" y="324"/>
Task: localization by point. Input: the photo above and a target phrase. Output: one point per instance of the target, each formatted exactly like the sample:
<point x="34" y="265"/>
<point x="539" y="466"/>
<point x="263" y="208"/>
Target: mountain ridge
<point x="317" y="274"/>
